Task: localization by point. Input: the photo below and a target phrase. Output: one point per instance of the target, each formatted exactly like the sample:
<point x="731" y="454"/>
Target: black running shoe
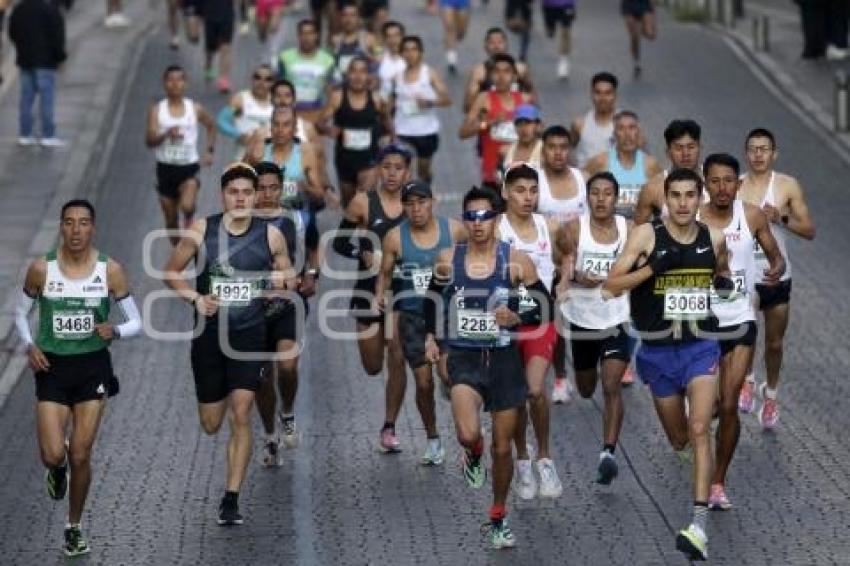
<point x="607" y="470"/>
<point x="75" y="544"/>
<point x="228" y="513"/>
<point x="57" y="481"/>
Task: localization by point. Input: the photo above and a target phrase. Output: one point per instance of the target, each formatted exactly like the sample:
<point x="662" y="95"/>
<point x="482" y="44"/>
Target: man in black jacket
<point x="38" y="32"/>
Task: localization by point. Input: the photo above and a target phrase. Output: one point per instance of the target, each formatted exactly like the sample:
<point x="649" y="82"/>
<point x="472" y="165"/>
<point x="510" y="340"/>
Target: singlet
<point x="415" y="265"/>
<point x="778" y="234"/>
<point x="235" y="270"/>
<point x="631" y="181"/>
<point x="360" y="128"/>
<point x="293" y="226"/>
<point x="471" y="302"/>
<point x="562" y="210"/>
<point x="293" y="175"/>
<point x="533" y="160"/>
<point x="739" y="241"/>
<point x="497" y="135"/>
<point x="586" y="307"/>
<point x="411" y="120"/>
<point x="309" y="75"/>
<point x="185" y="150"/>
<point x="390" y="66"/>
<point x="69" y="309"/>
<point x="594" y="139"/>
<point x="346" y="52"/>
<point x="255" y="114"/>
<point x="539" y="249"/>
<point x="378" y="223"/>
<point x="669" y="308"/>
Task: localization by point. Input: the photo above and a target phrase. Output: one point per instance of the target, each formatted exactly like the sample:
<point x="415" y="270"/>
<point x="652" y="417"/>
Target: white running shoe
<point x="561" y="390"/>
<point x="53" y="142"/>
<point x="290" y="436"/>
<point x="26" y="141"/>
<point x="116" y="20"/>
<point x="526" y="485"/>
<point x="834" y="53"/>
<point x="563" y="68"/>
<point x="550" y="483"/>
<point x="434" y="454"/>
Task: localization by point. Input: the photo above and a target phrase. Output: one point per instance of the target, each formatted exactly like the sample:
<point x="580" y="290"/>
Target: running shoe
<point x="389" y="443"/>
<point x="561" y="390"/>
<point x="473" y="471"/>
<point x="628" y="376"/>
<point x="607" y="469"/>
<point x="526" y="485"/>
<point x="693" y="542"/>
<point x="746" y="400"/>
<point x="499" y="534"/>
<point x="223" y="84"/>
<point x="563" y="68"/>
<point x="550" y="483"/>
<point x="228" y="513"/>
<point x="57" y="481"/>
<point x="717" y="499"/>
<point x="290" y="436"/>
<point x="27" y="141"/>
<point x="271" y="454"/>
<point x="244" y="28"/>
<point x="75" y="544"/>
<point x="434" y="454"/>
<point x="769" y="411"/>
<point x="52" y="142"/>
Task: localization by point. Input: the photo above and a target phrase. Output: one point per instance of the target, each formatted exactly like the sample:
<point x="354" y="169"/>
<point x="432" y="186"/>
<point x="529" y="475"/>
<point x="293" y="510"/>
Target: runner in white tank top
<point x="411" y="119"/>
<point x="595" y="138"/>
<point x="562" y="210"/>
<point x="183" y="148"/>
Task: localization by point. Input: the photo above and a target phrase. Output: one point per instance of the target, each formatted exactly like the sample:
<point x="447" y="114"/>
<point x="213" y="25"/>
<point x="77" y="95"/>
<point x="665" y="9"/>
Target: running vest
<point x="668" y="307"/>
<point x="539" y="249"/>
<point x="360" y="128"/>
<point x="293" y="225"/>
<point x="235" y="270"/>
<point x="471" y="302"/>
<point x="586" y="307"/>
<point x="255" y="114"/>
<point x="293" y="175"/>
<point x="183" y="151"/>
<point x="498" y="134"/>
<point x="739" y="241"/>
<point x="411" y="120"/>
<point x="346" y="52"/>
<point x="378" y="222"/>
<point x="631" y="181"/>
<point x="415" y="265"/>
<point x="390" y="66"/>
<point x="595" y="139"/>
<point x="309" y="75"/>
<point x="533" y="160"/>
<point x="68" y="309"/>
<point x="563" y="210"/>
<point x="778" y="234"/>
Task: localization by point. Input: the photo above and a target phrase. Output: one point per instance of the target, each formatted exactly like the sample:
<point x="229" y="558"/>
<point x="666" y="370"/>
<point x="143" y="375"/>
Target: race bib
<point x="175" y="153"/>
<point x="686" y="304"/>
<point x="628" y="196"/>
<point x="232" y="292"/>
<point x="409" y="107"/>
<point x="344" y="62"/>
<point x="503" y="132"/>
<point x="290" y="190"/>
<point x="597" y="263"/>
<point x="477" y="325"/>
<point x="421" y="279"/>
<point x="526" y="303"/>
<point x="356" y="139"/>
<point x="71" y="325"/>
<point x="307" y="92"/>
<point x="739" y="279"/>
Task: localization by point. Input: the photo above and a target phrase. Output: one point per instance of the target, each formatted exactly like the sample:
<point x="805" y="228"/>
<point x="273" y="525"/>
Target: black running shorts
<point x="75" y="379"/>
<point x="217" y="374"/>
<point x="496" y="374"/>
<point x="170" y="177"/>
<point x="776" y="295"/>
<point x="743" y="334"/>
<point x="590" y="347"/>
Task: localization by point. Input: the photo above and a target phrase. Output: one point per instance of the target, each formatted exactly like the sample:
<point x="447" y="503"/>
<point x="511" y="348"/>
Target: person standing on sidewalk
<point x="37" y="29"/>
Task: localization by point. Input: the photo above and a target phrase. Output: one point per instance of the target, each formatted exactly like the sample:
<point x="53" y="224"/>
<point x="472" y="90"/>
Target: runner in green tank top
<point x="70" y="354"/>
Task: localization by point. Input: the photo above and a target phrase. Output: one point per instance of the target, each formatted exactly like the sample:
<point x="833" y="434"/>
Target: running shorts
<point x="412" y="331"/>
<point x="170" y="177"/>
<point x="537" y="341"/>
<point x="743" y="334"/>
<point x="775" y="295"/>
<point x="217" y="33"/>
<point x="669" y="369"/>
<point x="554" y="15"/>
<point x="636" y="8"/>
<point x="518" y="9"/>
<point x="349" y="164"/>
<point x="216" y="373"/>
<point x="494" y="373"/>
<point x="425" y="146"/>
<point x="590" y="347"/>
<point x="361" y="302"/>
<point x="73" y="379"/>
<point x="283" y="325"/>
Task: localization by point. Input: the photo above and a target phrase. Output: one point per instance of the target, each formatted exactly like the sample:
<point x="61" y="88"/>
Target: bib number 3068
<point x="686" y="304"/>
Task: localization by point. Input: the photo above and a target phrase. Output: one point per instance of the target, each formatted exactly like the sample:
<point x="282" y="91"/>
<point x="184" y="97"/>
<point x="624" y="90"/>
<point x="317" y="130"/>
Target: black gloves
<point x="665" y="260"/>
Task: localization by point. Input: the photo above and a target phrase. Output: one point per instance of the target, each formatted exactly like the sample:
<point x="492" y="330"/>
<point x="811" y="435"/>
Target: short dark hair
<point x="723" y="159"/>
<point x="358" y="59"/>
<point x="604" y="176"/>
<point x="348" y="4"/>
<point x="77" y="203"/>
<point x="283" y="82"/>
<point x="415" y="39"/>
<point x="626" y="114"/>
<point x="605" y="77"/>
<point x="392" y="24"/>
<point x="494" y="31"/>
<point x="677" y="175"/>
<point x="481" y="193"/>
<point x="268" y="168"/>
<point x="762" y="133"/>
<point x="397" y="148"/>
<point x="521" y="171"/>
<point x="307" y="22"/>
<point x="556" y="131"/>
<point x="239" y="170"/>
<point x="503" y="58"/>
<point x="680" y="128"/>
<point x="173" y="69"/>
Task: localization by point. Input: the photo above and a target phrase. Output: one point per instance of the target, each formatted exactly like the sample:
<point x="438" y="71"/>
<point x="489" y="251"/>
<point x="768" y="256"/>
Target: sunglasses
<point x="482" y="215"/>
<point x="267" y="78"/>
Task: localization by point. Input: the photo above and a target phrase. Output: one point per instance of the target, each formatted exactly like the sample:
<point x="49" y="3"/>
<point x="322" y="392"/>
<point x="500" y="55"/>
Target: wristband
<point x="785" y="219"/>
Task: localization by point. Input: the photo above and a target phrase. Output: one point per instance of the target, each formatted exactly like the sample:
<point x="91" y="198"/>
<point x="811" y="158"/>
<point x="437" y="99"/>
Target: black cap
<point x="416" y="188"/>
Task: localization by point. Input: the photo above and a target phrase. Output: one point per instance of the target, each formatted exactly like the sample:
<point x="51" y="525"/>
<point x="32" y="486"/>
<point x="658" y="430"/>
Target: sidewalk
<point x="34" y="182"/>
<point x="808" y="84"/>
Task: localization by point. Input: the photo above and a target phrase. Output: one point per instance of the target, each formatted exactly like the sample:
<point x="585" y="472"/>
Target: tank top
<point x="673" y="307"/>
<point x="390" y="66"/>
<point x="69" y="309"/>
<point x="778" y="234"/>
<point x="255" y="114"/>
<point x="411" y="120"/>
<point x="533" y="160"/>
<point x="539" y="249"/>
<point x="562" y="210"/>
<point x="595" y="139"/>
<point x="631" y="181"/>
<point x="415" y="265"/>
<point x="360" y="128"/>
<point x="309" y="75"/>
<point x="236" y="269"/>
<point x="346" y="52"/>
<point x="183" y="151"/>
<point x="293" y="175"/>
<point x="497" y="135"/>
<point x="378" y="222"/>
<point x="739" y="241"/>
<point x="471" y="302"/>
<point x="586" y="307"/>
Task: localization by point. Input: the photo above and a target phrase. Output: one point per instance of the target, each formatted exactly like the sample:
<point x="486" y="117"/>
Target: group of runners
<point x="577" y="252"/>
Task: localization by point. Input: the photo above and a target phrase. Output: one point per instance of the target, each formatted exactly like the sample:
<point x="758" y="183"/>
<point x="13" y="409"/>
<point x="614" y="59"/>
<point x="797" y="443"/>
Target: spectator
<point x="115" y="17"/>
<point x="38" y="32"/>
<point x="824" y="28"/>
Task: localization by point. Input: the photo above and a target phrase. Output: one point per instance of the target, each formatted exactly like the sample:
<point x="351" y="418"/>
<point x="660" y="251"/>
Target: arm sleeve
<point x="540" y="295"/>
<point x="342" y="242"/>
<point x="430" y="308"/>
<point x="22" y="308"/>
<point x="226" y="122"/>
<point x="133" y="320"/>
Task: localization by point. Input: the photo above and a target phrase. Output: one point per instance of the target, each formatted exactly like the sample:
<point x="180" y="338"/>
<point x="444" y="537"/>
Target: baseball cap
<point x="416" y="188"/>
<point x="527" y="112"/>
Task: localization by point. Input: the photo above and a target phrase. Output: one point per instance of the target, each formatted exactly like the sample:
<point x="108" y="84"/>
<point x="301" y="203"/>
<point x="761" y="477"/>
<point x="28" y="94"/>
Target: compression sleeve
<point x="540" y="295"/>
<point x="342" y="242"/>
<point x="133" y="320"/>
<point x="430" y="307"/>
<point x="22" y="309"/>
<point x="226" y="122"/>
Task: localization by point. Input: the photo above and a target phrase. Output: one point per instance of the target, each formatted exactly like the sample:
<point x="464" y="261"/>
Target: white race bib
<point x="597" y="264"/>
<point x="473" y="324"/>
<point x="686" y="304"/>
<point x="739" y="279"/>
<point x="409" y="107"/>
<point x="232" y="292"/>
<point x="356" y="139"/>
<point x="421" y="279"/>
<point x="290" y="190"/>
<point x="503" y="132"/>
<point x="628" y="195"/>
<point x="71" y="325"/>
<point x="176" y="153"/>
